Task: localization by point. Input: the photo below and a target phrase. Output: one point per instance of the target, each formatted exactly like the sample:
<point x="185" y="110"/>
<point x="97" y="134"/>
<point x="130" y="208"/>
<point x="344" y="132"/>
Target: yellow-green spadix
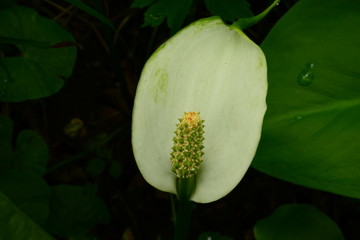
<point x="216" y="70"/>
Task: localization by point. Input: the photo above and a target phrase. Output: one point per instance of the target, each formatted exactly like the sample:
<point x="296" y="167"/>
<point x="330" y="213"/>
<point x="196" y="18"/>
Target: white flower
<point x="211" y="68"/>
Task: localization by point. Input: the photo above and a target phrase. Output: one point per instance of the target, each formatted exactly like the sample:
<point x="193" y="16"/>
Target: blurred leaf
<point x="213" y="236"/>
<point x="15" y="225"/>
<point x="6" y="130"/>
<point x="141" y="3"/>
<point x="31" y="152"/>
<point x="38" y="71"/>
<point x="28" y="191"/>
<point x="174" y="11"/>
<point x="297" y="222"/>
<point x="91" y="12"/>
<point x="95" y="166"/>
<point x="74" y="210"/>
<point x="311" y="129"/>
<point x="115" y="169"/>
<point x="229" y="10"/>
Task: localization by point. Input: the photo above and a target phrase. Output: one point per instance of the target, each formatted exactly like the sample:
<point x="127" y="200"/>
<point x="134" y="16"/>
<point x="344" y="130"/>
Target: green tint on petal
<point x="216" y="70"/>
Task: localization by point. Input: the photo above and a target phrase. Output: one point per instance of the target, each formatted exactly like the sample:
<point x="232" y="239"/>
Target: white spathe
<point x="214" y="69"/>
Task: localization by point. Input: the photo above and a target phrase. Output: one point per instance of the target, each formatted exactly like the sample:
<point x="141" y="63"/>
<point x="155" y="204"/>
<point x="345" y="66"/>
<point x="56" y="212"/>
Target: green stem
<point x="185" y="187"/>
<point x="248" y="22"/>
<point x="183" y="219"/>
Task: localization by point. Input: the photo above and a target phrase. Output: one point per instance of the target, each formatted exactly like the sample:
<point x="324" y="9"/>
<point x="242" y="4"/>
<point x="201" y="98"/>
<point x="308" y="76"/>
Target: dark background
<point x="100" y="93"/>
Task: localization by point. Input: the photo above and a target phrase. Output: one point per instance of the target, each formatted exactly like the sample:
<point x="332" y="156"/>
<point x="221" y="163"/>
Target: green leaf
<point x="229" y="10"/>
<point x="174" y="11"/>
<point x="6" y="131"/>
<point x="28" y="191"/>
<point x="297" y="222"/>
<point x="74" y="210"/>
<point x="91" y="12"/>
<point x="36" y="71"/>
<point x="95" y="166"/>
<point x="15" y="225"/>
<point x="311" y="129"/>
<point x="31" y="152"/>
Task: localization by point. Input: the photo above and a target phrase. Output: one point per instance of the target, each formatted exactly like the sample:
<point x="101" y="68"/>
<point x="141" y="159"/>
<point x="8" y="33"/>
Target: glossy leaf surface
<point x="311" y="129"/>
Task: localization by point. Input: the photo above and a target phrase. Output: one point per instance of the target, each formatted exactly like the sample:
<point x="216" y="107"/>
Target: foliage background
<point x="99" y="161"/>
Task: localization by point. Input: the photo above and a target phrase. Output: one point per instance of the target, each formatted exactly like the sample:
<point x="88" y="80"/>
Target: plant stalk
<point x="183" y="219"/>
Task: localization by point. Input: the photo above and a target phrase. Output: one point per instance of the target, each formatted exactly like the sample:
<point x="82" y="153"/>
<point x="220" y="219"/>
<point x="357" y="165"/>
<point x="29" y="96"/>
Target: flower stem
<point x="183" y="219"/>
<point x="244" y="23"/>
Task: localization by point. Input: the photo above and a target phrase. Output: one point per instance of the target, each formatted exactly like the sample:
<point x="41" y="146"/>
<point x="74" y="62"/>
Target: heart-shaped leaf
<point x="43" y="58"/>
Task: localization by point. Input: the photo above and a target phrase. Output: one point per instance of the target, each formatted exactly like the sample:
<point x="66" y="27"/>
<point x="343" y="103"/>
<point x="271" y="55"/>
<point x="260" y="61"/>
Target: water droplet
<point x="306" y="77"/>
<point x="278" y="3"/>
<point x="299" y="117"/>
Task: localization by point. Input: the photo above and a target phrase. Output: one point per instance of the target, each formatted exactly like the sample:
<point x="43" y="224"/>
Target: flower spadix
<point x="187" y="153"/>
<point x="209" y="68"/>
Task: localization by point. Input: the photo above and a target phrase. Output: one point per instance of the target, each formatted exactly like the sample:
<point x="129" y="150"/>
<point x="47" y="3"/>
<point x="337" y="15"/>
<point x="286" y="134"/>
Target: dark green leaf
<point x="15" y="225"/>
<point x="229" y="10"/>
<point x="311" y="130"/>
<point x="31" y="152"/>
<point x="74" y="210"/>
<point x="35" y="71"/>
<point x="28" y="191"/>
<point x="297" y="222"/>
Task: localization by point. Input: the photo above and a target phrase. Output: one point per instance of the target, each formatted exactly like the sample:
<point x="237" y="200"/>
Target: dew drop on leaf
<point x="306" y="76"/>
